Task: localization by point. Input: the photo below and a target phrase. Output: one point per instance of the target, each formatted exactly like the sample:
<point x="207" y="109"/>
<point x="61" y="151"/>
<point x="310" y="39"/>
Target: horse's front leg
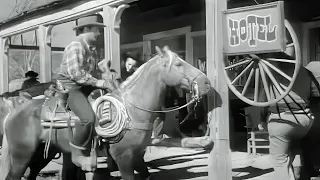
<point x="140" y="166"/>
<point x="125" y="162"/>
<point x="38" y="161"/>
<point x="70" y="170"/>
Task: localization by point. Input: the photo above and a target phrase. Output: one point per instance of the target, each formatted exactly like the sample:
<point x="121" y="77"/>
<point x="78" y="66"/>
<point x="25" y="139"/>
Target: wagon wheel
<point x="259" y="74"/>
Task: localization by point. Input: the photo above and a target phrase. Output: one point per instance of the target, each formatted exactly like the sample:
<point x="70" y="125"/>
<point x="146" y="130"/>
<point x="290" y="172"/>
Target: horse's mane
<point x="35" y="90"/>
<point x="141" y="71"/>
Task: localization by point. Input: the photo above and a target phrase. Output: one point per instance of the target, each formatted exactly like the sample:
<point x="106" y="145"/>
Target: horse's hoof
<point x="89" y="175"/>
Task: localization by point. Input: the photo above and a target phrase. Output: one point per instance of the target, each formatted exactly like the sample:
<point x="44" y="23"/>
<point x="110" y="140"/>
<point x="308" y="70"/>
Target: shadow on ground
<point x="180" y="171"/>
<point x="252" y="172"/>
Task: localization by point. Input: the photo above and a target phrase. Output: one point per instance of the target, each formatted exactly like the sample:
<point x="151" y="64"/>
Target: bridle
<point x="194" y="90"/>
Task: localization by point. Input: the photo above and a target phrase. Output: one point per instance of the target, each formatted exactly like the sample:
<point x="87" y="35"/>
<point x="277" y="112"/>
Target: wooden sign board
<point x="254" y="29"/>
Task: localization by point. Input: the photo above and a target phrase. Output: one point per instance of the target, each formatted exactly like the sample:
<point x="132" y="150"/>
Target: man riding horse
<point x="79" y="74"/>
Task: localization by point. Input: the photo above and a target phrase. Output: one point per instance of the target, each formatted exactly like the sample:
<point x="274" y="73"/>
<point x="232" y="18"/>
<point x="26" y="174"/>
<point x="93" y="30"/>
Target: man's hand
<point x="103" y="65"/>
<point x="106" y="84"/>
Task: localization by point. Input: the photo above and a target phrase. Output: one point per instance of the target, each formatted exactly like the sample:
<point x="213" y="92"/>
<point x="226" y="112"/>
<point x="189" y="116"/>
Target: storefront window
<point x="176" y="43"/>
<point x="199" y="52"/>
<point x="62" y="35"/>
<point x="20" y="62"/>
<point x="23" y="57"/>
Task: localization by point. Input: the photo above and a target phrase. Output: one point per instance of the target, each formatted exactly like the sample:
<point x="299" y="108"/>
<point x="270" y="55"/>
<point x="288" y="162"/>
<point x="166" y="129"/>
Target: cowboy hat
<point x="91" y="20"/>
<point x="31" y="74"/>
<point x="133" y="55"/>
<point x="314" y="68"/>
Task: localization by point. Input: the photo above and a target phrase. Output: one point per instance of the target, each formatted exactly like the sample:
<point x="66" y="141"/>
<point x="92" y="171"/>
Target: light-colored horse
<point x="142" y="94"/>
<point x="11" y="100"/>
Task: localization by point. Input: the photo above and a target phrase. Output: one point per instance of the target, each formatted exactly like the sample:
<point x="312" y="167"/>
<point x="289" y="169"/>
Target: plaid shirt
<point x="80" y="63"/>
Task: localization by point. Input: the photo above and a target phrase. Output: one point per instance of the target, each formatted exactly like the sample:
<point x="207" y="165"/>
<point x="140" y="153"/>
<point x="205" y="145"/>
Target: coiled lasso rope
<point x="118" y="124"/>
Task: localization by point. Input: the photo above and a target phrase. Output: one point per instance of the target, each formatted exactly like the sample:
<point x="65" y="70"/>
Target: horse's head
<point x="177" y="72"/>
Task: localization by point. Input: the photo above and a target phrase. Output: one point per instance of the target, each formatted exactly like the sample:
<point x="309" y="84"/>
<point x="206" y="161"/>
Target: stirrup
<point x="78" y="147"/>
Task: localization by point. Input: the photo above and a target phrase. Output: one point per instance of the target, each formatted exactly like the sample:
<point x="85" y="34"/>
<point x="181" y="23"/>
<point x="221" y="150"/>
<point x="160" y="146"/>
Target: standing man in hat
<point x="290" y="121"/>
<point x="31" y="80"/>
<point x="79" y="70"/>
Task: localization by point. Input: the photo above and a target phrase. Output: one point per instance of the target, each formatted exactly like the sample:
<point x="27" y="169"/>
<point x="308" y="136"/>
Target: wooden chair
<point x="256" y="139"/>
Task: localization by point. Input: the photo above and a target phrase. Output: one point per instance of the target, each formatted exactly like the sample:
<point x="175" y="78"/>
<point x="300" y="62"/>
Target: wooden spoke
<point x="277" y="70"/>
<point x="242" y="72"/>
<point x="248" y="82"/>
<point x="290" y="45"/>
<point x="256" y="85"/>
<point x="283" y="86"/>
<point x="272" y="78"/>
<point x="264" y="81"/>
<point x="261" y="70"/>
<point x="237" y="64"/>
<point x="273" y="88"/>
<point x="281" y="60"/>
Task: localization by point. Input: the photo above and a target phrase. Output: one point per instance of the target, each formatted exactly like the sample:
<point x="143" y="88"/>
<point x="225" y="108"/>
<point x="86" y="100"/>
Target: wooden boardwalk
<point x="187" y="164"/>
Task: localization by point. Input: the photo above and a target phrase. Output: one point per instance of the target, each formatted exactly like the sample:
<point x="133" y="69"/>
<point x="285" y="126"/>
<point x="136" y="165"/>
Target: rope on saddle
<point x="48" y="141"/>
<point x="115" y="127"/>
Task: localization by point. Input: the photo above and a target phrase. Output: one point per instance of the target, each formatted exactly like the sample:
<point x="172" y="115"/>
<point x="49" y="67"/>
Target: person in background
<point x="108" y="73"/>
<point x="289" y="123"/>
<point x="31" y="80"/>
<point x="132" y="60"/>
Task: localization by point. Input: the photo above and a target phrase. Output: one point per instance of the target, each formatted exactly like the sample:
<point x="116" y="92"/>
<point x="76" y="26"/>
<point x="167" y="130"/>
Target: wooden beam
<point x="4" y="65"/>
<point x="112" y="36"/>
<point x="132" y="45"/>
<point x="189" y="50"/>
<point x="44" y="34"/>
<point x="19" y="47"/>
<point x="146" y="48"/>
<point x="220" y="156"/>
<point x="198" y="33"/>
<point x="165" y="34"/>
<point x="61" y="15"/>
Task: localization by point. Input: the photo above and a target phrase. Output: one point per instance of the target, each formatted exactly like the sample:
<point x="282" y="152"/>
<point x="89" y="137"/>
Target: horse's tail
<point x="5" y="163"/>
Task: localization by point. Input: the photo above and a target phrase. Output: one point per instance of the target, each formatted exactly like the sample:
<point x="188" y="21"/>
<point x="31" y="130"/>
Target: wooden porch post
<point x="4" y="65"/>
<point x="44" y="35"/>
<point x="220" y="157"/>
<point x="112" y="19"/>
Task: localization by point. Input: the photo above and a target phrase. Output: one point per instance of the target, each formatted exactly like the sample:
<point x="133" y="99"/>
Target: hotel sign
<point x="254" y="29"/>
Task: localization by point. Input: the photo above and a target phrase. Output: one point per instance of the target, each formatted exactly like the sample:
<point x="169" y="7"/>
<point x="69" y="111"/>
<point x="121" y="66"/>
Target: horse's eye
<point x="178" y="64"/>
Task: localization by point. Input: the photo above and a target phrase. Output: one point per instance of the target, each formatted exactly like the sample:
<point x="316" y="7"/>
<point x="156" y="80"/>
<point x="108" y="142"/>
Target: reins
<point x="170" y="110"/>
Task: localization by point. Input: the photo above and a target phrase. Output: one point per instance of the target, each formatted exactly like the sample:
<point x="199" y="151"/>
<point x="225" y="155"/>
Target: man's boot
<point x="81" y="146"/>
<point x="81" y="157"/>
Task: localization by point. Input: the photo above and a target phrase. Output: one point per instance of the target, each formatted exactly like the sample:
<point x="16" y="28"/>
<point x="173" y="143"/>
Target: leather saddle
<point x="56" y="113"/>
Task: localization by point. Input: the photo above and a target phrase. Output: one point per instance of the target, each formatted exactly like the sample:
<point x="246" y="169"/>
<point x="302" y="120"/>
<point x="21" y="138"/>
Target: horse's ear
<point x="166" y="49"/>
<point x="168" y="52"/>
<point x="158" y="50"/>
<point x="8" y="101"/>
